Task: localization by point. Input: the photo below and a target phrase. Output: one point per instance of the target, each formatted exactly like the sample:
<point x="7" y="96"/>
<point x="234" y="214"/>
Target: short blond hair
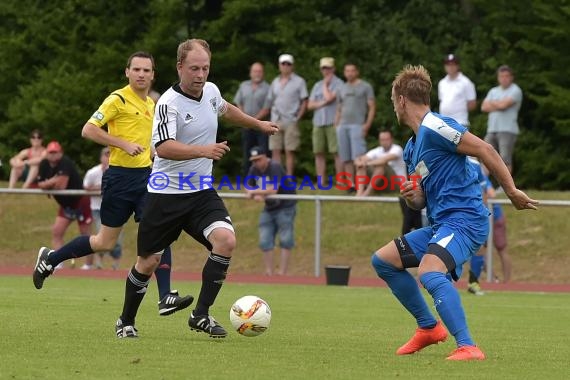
<point x="189" y="45"/>
<point x="414" y="83"/>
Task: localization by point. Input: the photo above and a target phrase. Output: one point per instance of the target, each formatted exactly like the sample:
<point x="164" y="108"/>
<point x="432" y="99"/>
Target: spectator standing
<point x="92" y="182"/>
<point x="456" y="92"/>
<point x="278" y="215"/>
<point x="503" y="103"/>
<point x="287" y="102"/>
<point x="25" y="165"/>
<point x="323" y="101"/>
<point x="59" y="172"/>
<point x="354" y="116"/>
<point x="250" y="98"/>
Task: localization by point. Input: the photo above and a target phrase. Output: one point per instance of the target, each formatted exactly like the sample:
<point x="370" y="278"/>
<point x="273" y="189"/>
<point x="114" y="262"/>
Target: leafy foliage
<point x="60" y="58"/>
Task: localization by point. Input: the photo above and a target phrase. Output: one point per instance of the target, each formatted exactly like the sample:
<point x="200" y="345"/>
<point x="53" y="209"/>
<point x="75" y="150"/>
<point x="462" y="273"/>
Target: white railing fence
<point x="318" y="199"/>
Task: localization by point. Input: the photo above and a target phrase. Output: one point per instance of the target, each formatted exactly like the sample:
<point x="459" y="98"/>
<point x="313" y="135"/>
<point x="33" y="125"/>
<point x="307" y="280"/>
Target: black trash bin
<point x="337" y="274"/>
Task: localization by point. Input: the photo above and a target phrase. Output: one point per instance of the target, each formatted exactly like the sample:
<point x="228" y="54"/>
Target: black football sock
<point x="135" y="289"/>
<point x="213" y="276"/>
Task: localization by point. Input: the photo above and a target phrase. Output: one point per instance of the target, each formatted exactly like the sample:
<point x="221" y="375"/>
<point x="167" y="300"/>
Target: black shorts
<point x="167" y="215"/>
<point x="123" y="193"/>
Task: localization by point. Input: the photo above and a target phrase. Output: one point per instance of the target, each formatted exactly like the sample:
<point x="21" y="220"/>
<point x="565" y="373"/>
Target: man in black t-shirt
<point x="58" y="172"/>
<point x="278" y="216"/>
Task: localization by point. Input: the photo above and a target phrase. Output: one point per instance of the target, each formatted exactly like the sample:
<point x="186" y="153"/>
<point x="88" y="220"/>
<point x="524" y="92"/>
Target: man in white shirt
<point x="456" y="92"/>
<point x="386" y="159"/>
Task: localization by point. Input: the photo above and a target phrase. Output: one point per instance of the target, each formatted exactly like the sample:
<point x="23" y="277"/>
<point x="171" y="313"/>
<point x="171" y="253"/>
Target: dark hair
<point x="36" y="132"/>
<point x="140" y="54"/>
<point x="504" y="68"/>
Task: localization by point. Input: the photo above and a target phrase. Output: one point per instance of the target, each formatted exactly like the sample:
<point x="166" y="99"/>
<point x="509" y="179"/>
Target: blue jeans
<point x="280" y="221"/>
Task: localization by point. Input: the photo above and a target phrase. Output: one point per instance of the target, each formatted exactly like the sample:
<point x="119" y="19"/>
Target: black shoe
<point x="172" y="302"/>
<point x="43" y="268"/>
<point x="207" y="324"/>
<point x="352" y="190"/>
<point x="125" y="331"/>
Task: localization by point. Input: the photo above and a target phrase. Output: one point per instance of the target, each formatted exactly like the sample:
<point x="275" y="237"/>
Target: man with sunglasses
<point x="24" y="165"/>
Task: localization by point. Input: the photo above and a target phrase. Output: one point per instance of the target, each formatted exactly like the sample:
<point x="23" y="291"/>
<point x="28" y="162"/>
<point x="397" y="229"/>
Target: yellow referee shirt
<point x="129" y="118"/>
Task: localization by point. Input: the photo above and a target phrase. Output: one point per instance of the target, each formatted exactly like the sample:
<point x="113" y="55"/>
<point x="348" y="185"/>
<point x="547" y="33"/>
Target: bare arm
<point x="471" y="145"/>
<point x="382" y="160"/>
<point x="38" y="159"/>
<point x="471" y="105"/>
<point x="19" y="159"/>
<point x="497" y="105"/>
<point x="234" y="115"/>
<point x="98" y="135"/>
<point x="177" y="151"/>
<point x="57" y="182"/>
<point x="369" y="116"/>
<point x="262" y="114"/>
<point x="302" y="109"/>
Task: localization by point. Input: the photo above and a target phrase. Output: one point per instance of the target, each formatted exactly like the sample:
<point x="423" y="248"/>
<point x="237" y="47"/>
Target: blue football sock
<point x="78" y="247"/>
<point x="406" y="290"/>
<point x="448" y="305"/>
<point x="477" y="263"/>
<point x="162" y="273"/>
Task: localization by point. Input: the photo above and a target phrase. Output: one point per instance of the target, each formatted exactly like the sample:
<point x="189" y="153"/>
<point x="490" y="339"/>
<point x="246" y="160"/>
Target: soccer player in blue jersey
<point x="448" y="188"/>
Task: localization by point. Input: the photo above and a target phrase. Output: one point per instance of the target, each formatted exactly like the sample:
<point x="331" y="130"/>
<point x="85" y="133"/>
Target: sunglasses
<point x="286" y="64"/>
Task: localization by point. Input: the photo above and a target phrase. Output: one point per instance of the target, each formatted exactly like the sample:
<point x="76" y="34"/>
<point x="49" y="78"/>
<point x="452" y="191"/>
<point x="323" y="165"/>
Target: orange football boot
<point x="423" y="338"/>
<point x="467" y="353"/>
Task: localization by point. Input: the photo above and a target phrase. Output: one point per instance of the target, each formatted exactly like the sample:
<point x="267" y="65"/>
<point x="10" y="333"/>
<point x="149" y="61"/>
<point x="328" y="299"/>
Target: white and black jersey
<point x="192" y="121"/>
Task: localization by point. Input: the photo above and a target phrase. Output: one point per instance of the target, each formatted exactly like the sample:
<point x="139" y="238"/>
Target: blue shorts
<point x="123" y="193"/>
<point x="453" y="241"/>
<point x="280" y="221"/>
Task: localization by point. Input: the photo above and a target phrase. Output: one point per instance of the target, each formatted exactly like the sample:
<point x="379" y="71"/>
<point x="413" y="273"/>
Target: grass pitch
<point x="317" y="332"/>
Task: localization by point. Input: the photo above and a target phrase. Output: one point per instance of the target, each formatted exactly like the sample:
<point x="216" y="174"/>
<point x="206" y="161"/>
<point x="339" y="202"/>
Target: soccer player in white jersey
<point x="437" y="154"/>
<point x="180" y="197"/>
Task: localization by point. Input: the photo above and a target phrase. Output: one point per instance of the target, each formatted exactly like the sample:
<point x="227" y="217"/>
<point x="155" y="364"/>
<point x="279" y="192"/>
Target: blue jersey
<point x="452" y="190"/>
<point x="481" y="178"/>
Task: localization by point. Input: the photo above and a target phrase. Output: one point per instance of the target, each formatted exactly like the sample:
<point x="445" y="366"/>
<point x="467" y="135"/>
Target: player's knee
<point x="382" y="268"/>
<point x="223" y="241"/>
<point x="147" y="265"/>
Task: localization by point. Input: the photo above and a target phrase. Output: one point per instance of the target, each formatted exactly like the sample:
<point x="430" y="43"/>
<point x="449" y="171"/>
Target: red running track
<point x="261" y="279"/>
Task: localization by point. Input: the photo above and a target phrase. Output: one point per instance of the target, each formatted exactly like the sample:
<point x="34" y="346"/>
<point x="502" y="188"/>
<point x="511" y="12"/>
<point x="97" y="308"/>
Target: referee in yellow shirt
<point x="128" y="112"/>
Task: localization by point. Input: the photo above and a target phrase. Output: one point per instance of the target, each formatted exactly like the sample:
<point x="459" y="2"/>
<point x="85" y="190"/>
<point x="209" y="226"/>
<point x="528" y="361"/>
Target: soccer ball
<point x="250" y="316"/>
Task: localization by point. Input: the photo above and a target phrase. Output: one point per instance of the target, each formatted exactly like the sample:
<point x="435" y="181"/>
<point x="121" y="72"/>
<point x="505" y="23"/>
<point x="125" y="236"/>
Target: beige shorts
<point x="288" y="137"/>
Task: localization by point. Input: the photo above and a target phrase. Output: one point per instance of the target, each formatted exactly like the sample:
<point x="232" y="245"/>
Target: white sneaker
<point x="86" y="267"/>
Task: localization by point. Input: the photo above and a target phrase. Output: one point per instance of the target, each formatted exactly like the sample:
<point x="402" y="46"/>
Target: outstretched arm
<point x="472" y="145"/>
<point x="235" y="115"/>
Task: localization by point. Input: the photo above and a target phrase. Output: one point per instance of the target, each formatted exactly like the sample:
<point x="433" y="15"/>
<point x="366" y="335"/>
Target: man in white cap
<point x="287" y="101"/>
<point x="322" y="101"/>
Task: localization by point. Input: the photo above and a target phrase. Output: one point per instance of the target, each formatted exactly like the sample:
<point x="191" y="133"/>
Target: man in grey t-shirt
<point x="503" y="103"/>
<point x="250" y="98"/>
<point x="287" y="100"/>
<point x="354" y="115"/>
